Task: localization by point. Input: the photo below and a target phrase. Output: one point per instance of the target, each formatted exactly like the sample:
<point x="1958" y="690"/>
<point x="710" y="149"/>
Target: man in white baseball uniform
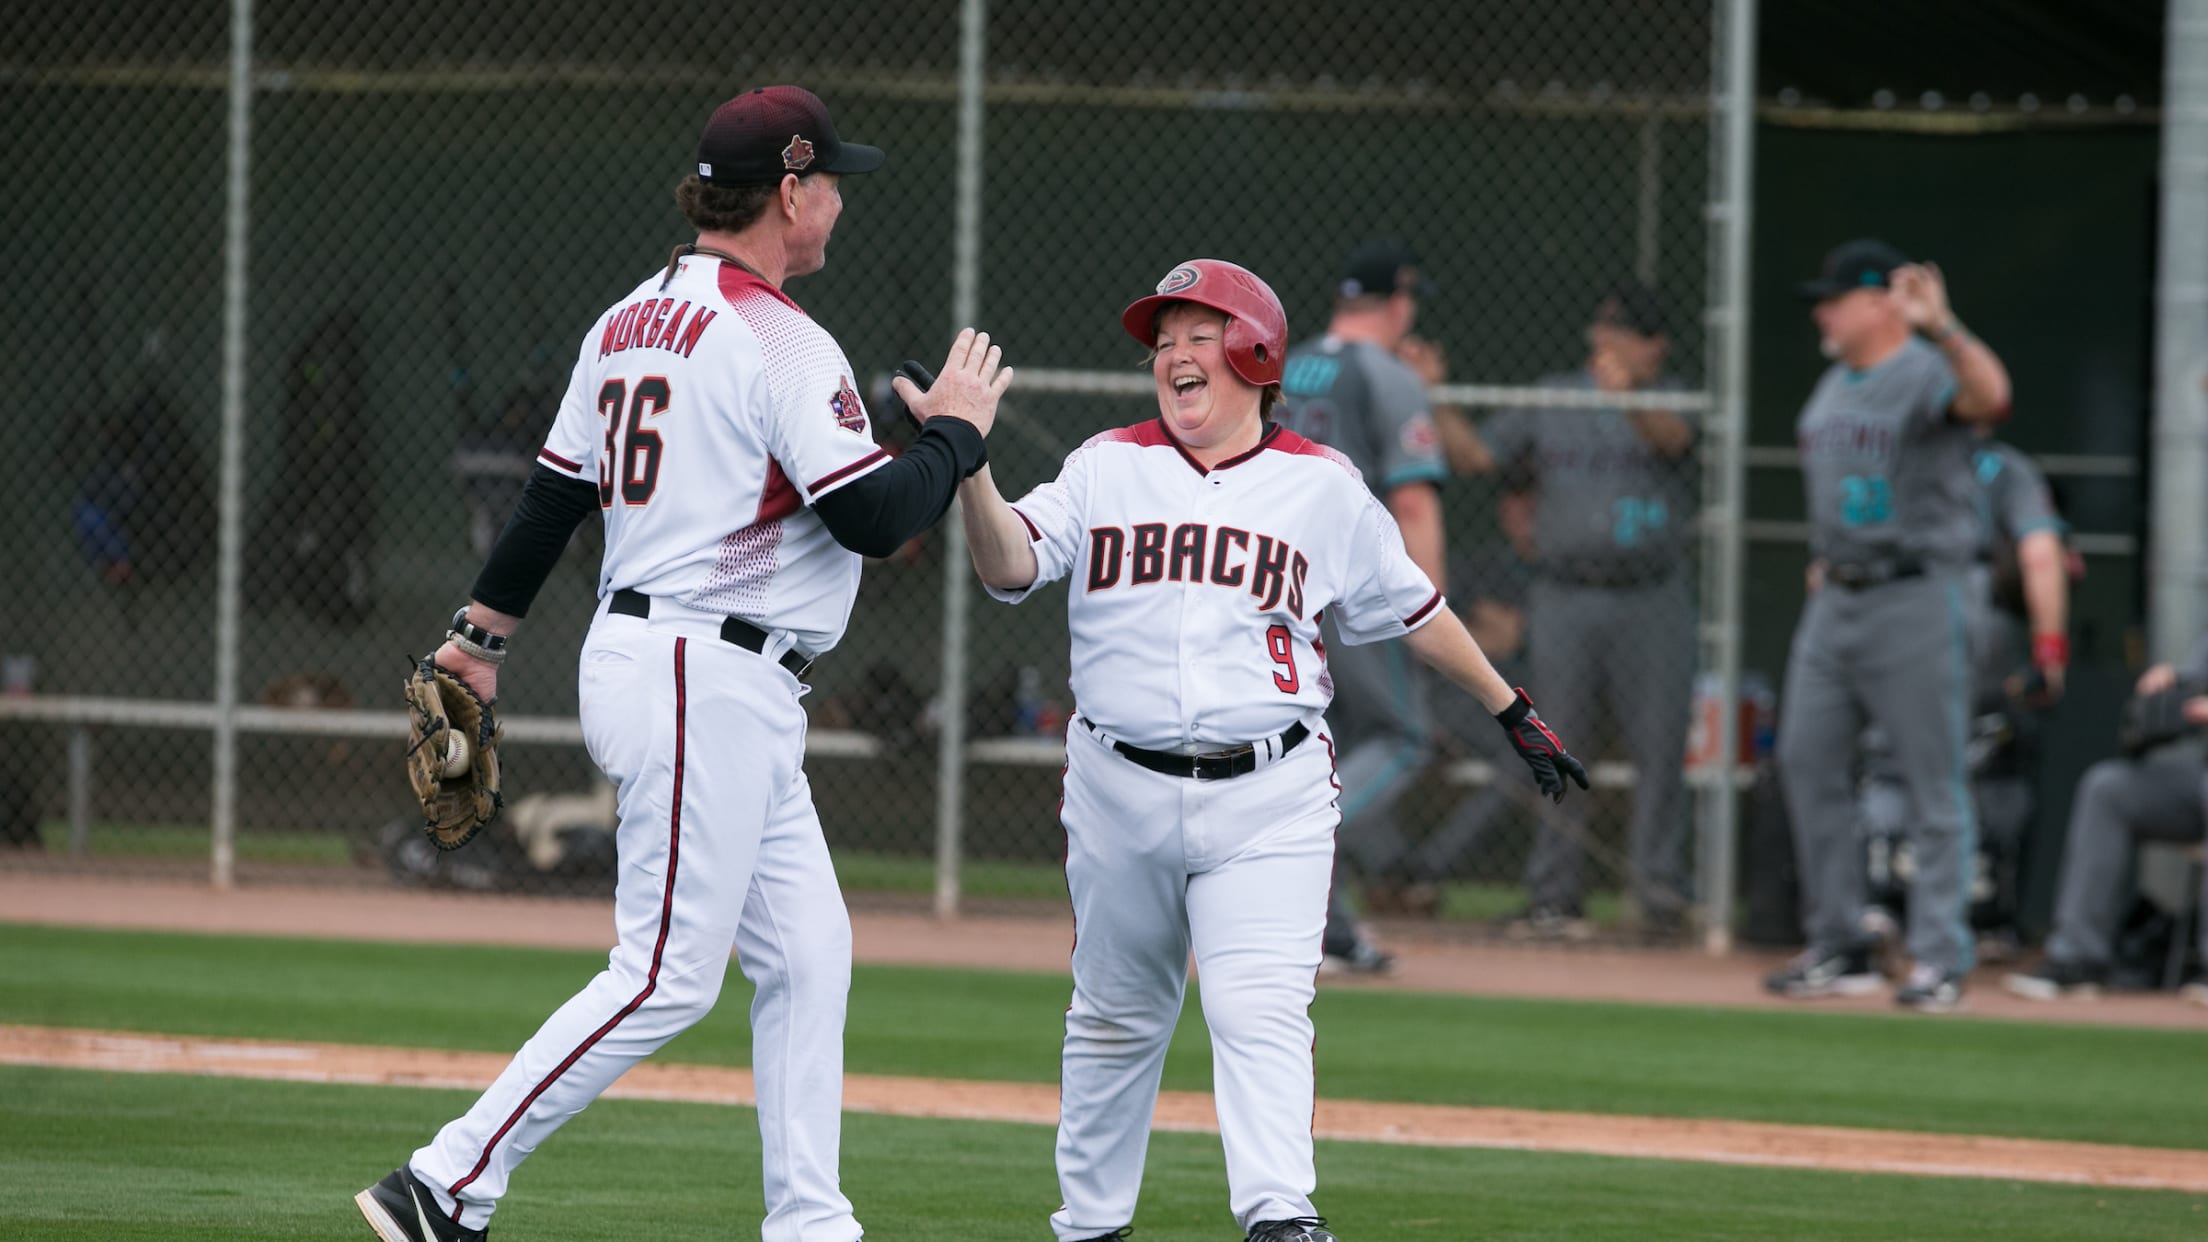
<point x="717" y="430"/>
<point x="1200" y="549"/>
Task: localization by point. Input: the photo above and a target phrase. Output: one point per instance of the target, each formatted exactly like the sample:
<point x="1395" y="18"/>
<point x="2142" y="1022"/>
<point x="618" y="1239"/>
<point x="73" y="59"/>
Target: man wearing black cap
<point x="1886" y="440"/>
<point x="1611" y="612"/>
<point x="1348" y="391"/>
<point x="716" y="428"/>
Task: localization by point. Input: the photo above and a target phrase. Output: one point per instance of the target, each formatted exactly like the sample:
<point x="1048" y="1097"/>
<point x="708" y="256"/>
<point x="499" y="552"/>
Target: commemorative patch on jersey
<point x="1419" y="437"/>
<point x="850" y="415"/>
<point x="1178" y="279"/>
<point x="798" y="154"/>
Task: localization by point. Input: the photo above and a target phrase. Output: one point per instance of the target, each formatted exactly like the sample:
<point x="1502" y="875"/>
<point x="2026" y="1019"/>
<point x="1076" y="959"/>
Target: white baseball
<point x="457" y="753"/>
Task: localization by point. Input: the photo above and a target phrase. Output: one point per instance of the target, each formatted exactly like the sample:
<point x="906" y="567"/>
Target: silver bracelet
<point x="474" y="648"/>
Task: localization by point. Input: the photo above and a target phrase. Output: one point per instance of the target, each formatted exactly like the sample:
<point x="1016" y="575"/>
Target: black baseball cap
<point x="1864" y="263"/>
<point x="1636" y="306"/>
<point x="769" y="132"/>
<point x="1381" y="268"/>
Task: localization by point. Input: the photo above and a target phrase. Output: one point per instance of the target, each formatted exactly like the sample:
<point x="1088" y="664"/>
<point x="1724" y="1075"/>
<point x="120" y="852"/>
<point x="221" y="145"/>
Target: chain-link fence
<point x="435" y="200"/>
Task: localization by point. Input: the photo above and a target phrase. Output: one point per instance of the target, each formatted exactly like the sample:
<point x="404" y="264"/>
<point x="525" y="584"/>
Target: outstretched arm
<point x="1444" y="643"/>
<point x="1001" y="543"/>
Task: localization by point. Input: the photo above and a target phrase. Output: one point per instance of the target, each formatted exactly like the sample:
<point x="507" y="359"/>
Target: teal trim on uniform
<point x="1966" y="808"/>
<point x="1417" y="472"/>
<point x="2056" y="525"/>
<point x="1989" y="465"/>
<point x="1309" y="375"/>
<point x="1413" y="750"/>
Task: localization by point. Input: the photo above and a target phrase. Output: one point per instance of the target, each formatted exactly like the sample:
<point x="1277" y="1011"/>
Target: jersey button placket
<point x="1198" y="689"/>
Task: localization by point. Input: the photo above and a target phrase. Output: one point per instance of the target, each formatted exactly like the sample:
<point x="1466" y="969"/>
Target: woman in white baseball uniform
<point x="1200" y="803"/>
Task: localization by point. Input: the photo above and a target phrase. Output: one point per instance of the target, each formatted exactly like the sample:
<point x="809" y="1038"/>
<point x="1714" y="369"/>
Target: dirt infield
<point x="1725" y="1142"/>
<point x="1032" y="941"/>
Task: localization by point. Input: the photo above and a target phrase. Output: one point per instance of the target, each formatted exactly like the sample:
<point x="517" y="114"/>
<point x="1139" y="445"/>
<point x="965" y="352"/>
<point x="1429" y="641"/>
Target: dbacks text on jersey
<point x="1156" y="555"/>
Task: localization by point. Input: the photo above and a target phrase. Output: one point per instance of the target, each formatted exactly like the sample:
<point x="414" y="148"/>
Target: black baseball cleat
<point x="1826" y="972"/>
<point x="1120" y="1234"/>
<point x="1301" y="1229"/>
<point x="400" y="1208"/>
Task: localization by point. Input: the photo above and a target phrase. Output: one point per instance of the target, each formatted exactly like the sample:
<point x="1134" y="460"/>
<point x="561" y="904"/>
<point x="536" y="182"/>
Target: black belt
<point x="1862" y="575"/>
<point x="733" y="629"/>
<point x="1215" y="765"/>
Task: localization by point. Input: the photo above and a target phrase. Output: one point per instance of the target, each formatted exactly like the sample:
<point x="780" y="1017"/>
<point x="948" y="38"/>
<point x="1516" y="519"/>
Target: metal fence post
<point x="80" y="791"/>
<point x="1732" y="180"/>
<point x="950" y="794"/>
<point x="230" y="549"/>
<point x="2178" y="568"/>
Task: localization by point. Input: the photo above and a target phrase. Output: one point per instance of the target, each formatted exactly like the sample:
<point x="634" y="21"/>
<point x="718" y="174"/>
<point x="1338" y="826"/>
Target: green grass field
<point x="858" y="871"/>
<point x="96" y="1156"/>
<point x="85" y="1155"/>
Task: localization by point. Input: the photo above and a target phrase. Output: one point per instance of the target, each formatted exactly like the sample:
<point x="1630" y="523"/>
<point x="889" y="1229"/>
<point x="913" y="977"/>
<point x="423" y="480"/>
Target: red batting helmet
<point x="1257" y="328"/>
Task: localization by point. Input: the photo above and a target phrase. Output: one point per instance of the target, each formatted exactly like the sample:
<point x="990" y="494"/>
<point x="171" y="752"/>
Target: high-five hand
<point x="972" y="380"/>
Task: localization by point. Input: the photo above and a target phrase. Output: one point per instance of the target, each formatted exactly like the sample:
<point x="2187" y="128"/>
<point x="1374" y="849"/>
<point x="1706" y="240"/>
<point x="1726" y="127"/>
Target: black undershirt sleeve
<point x="873" y="515"/>
<point x="551" y="506"/>
<point x="876" y="513"/>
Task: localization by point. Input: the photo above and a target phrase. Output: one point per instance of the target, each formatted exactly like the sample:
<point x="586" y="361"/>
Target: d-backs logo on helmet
<point x="798" y="154"/>
<point x="1178" y="279"/>
<point x="850" y="415"/>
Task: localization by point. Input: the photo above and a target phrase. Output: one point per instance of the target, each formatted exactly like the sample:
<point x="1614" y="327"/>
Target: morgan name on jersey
<point x="655" y="323"/>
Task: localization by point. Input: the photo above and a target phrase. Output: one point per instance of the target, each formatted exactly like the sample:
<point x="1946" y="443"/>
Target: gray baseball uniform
<point x="2119" y="802"/>
<point x="1612" y="617"/>
<point x="2013" y="502"/>
<point x="1894" y="515"/>
<point x="1364" y="403"/>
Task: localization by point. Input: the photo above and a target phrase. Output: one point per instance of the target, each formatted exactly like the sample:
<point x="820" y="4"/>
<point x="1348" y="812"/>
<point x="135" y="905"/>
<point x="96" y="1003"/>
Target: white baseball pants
<point x="719" y="847"/>
<point x="1236" y="870"/>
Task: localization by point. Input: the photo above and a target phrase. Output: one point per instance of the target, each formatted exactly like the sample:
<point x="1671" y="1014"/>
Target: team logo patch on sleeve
<point x="798" y="154"/>
<point x="1178" y="279"/>
<point x="850" y="415"/>
<point x="1420" y="438"/>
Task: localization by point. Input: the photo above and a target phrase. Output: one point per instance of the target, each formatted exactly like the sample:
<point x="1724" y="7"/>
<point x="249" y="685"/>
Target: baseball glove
<point x="458" y="796"/>
<point x="893" y="405"/>
<point x="2152" y="720"/>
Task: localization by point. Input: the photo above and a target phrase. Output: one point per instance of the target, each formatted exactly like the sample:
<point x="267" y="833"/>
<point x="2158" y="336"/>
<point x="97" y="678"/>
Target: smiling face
<point x="1203" y="401"/>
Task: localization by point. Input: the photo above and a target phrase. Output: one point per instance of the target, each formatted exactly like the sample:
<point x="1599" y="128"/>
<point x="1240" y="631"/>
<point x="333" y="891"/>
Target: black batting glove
<point x="1540" y="748"/>
<point x="921" y="377"/>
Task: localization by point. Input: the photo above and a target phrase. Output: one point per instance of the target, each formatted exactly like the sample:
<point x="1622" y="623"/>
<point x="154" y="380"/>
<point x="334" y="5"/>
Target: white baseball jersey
<point x="712" y="412"/>
<point x="1194" y="595"/>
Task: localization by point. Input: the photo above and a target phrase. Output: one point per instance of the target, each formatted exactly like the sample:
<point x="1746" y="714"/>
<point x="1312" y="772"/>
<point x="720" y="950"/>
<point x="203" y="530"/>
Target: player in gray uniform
<point x="1611" y="609"/>
<point x="1347" y="390"/>
<point x="2024" y="621"/>
<point x="1886" y="441"/>
<point x="2019" y="596"/>
<point x="2155" y="794"/>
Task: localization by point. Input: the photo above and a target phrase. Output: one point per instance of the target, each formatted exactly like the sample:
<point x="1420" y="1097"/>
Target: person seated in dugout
<point x="2155" y="792"/>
